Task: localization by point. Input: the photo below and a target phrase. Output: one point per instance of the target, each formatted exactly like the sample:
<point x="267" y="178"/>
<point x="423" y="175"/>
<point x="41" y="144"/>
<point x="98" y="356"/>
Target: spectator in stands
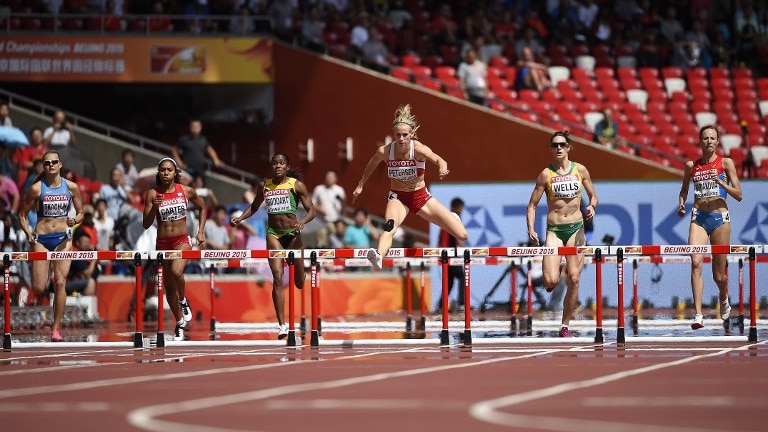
<point x="83" y="274"/>
<point x="191" y="149"/>
<point x="328" y="199"/>
<point x="336" y="240"/>
<point x="375" y="53"/>
<point x="5" y="114"/>
<point x="128" y="169"/>
<point x="105" y="227"/>
<point x="198" y="9"/>
<point x="362" y="233"/>
<point x="607" y="130"/>
<point x="406" y="159"/>
<point x="714" y="178"/>
<point x="7" y="165"/>
<point x="398" y="15"/>
<point x="670" y="27"/>
<point x="483" y="51"/>
<point x="36" y="170"/>
<point x="242" y="24"/>
<point x="565" y="223"/>
<point x="477" y="24"/>
<point x="159" y="22"/>
<point x="9" y="192"/>
<point x="528" y="47"/>
<point x="60" y="133"/>
<point x="112" y="20"/>
<point x="312" y="31"/>
<point x="207" y="194"/>
<point x="217" y="232"/>
<point x="455" y="272"/>
<point x="444" y="27"/>
<point x="530" y="73"/>
<point x="282" y="13"/>
<point x="587" y="18"/>
<point x="114" y="194"/>
<point x="88" y="225"/>
<point x="359" y="35"/>
<point x="472" y="74"/>
<point x="50" y="230"/>
<point x="25" y="157"/>
<point x="284" y="191"/>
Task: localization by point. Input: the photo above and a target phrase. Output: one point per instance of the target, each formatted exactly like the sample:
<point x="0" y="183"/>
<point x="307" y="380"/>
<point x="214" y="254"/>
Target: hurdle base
<point x="409" y="323"/>
<point x="445" y="338"/>
<point x="513" y="326"/>
<point x="635" y="326"/>
<point x="319" y="325"/>
<point x="529" y="325"/>
<point x="423" y="323"/>
<point x="740" y="321"/>
<point x="7" y="341"/>
<point x="467" y="337"/>
<point x="213" y="324"/>
<point x="314" y="339"/>
<point x="303" y="324"/>
<point x="620" y="338"/>
<point x="752" y="334"/>
<point x="727" y="326"/>
<point x="138" y="340"/>
<point x="599" y="335"/>
<point x="291" y="338"/>
<point x="160" y="340"/>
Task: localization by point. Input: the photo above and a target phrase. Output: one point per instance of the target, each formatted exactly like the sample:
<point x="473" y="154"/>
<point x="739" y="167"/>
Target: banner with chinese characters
<point x="46" y="58"/>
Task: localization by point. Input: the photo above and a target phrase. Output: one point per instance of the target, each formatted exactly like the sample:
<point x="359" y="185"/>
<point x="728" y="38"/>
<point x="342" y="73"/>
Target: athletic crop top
<point x="280" y="198"/>
<point x="404" y="170"/>
<point x="174" y="205"/>
<point x="703" y="176"/>
<point x="564" y="186"/>
<point x="54" y="201"/>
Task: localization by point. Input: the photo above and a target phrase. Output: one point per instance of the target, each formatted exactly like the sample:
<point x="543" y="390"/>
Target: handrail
<point x="52" y="23"/>
<point x="116" y="133"/>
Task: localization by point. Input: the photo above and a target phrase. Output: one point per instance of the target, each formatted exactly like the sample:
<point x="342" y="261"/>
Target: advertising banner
<point x="57" y="58"/>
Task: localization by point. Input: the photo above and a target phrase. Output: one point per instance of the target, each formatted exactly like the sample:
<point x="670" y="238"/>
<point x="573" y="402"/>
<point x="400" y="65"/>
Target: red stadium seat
<point x="401" y="73"/>
<point x="442" y="72"/>
<point x="409" y="60"/>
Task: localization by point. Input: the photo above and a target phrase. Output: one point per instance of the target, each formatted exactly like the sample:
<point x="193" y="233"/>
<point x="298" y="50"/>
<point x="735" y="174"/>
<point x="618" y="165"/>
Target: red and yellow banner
<point x="122" y="59"/>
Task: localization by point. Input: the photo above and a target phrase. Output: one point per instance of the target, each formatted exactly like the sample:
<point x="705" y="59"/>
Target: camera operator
<point x="60" y="133"/>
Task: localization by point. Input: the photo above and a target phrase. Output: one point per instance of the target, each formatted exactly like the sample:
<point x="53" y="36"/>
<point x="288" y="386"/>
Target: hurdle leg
<point x="7" y="302"/>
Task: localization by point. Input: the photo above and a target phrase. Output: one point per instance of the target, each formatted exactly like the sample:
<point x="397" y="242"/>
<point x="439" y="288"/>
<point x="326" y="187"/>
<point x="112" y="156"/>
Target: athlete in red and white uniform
<point x="714" y="178"/>
<point x="406" y="159"/>
<point x="167" y="204"/>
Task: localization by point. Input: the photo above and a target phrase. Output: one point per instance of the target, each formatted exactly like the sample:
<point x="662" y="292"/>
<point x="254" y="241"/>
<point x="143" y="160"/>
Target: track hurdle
<point x="467" y="299"/>
<point x="160" y="300"/>
<point x="620" y="297"/>
<point x="444" y="336"/>
<point x="314" y="331"/>
<point x="752" y="296"/>
<point x="408" y="298"/>
<point x="291" y="286"/>
<point x="138" y="335"/>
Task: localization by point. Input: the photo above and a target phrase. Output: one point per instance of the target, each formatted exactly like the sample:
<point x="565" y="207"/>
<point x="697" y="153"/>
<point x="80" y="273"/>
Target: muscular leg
<point x="436" y="213"/>
<point x="397" y="212"/>
<point x="299" y="275"/>
<point x="573" y="267"/>
<point x="697" y="236"/>
<point x="276" y="265"/>
<point x="721" y="235"/>
<point x="60" y="271"/>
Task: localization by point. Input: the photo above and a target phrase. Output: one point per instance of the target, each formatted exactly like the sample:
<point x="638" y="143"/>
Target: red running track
<point x="556" y="386"/>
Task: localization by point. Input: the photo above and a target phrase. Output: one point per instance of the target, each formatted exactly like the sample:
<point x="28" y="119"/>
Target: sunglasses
<point x="559" y="144"/>
<point x="50" y="162"/>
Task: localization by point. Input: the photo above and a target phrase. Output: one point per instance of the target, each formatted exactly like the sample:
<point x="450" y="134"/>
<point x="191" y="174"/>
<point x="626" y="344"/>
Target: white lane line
<point x="488" y="411"/>
<point x="146" y="418"/>
<point x="85" y="385"/>
<point x="676" y="401"/>
<point x="45" y="407"/>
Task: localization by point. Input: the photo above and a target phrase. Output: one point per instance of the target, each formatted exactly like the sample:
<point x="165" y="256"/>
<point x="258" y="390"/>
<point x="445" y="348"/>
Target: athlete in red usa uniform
<point x="714" y="178"/>
<point x="52" y="196"/>
<point x="563" y="182"/>
<point x="167" y="204"/>
<point x="406" y="159"/>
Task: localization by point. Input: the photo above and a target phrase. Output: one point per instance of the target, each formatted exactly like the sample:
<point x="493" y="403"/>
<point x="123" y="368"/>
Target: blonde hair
<point x="403" y="116"/>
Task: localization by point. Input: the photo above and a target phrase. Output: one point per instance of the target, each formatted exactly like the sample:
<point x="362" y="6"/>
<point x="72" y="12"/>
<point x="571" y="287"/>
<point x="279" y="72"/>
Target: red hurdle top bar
<point x="394" y="253"/>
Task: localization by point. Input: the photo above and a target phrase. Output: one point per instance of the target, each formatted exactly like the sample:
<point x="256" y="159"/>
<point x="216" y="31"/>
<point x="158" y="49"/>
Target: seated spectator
<point x="242" y="24"/>
<point x="217" y="230"/>
<point x="5" y="118"/>
<point x="88" y="225"/>
<point x="375" y="52"/>
<point x="129" y="170"/>
<point x="83" y="274"/>
<point x="25" y="157"/>
<point x="312" y="31"/>
<point x="159" y="23"/>
<point x="607" y="130"/>
<point x="60" y="133"/>
<point x="530" y="73"/>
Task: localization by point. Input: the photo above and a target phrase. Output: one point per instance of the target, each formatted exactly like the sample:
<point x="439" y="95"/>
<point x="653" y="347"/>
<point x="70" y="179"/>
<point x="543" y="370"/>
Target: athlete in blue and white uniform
<point x="714" y="178"/>
<point x="52" y="196"/>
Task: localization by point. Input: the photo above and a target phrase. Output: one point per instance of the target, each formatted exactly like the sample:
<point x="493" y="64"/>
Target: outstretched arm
<point x="379" y="156"/>
<point x="425" y="152"/>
